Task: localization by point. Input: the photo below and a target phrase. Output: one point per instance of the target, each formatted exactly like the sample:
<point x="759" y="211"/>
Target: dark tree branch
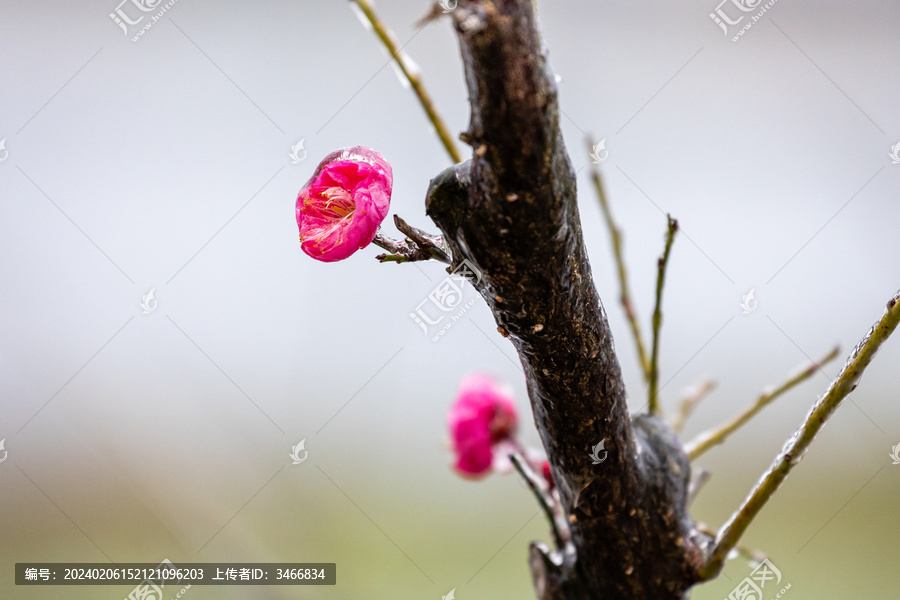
<point x="512" y="211"/>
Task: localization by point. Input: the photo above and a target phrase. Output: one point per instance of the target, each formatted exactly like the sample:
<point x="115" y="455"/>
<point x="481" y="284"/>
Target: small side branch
<point x="543" y="498"/>
<point x="417" y="246"/>
<point x="663" y="261"/>
<point x="754" y="556"/>
<point x="624" y="290"/>
<point x="795" y="448"/>
<point x="697" y="484"/>
<point x="690" y="402"/>
<point x="411" y="72"/>
<point x="707" y="440"/>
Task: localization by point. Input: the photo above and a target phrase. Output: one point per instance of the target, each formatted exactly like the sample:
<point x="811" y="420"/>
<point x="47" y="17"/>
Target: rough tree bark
<point x="512" y="212"/>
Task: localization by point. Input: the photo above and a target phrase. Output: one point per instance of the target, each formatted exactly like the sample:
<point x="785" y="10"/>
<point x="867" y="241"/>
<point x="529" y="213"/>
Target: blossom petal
<point x="341" y="206"/>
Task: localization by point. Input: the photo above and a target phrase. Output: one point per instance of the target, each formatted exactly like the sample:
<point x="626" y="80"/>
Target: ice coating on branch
<point x="343" y="203"/>
<point x="482" y="421"/>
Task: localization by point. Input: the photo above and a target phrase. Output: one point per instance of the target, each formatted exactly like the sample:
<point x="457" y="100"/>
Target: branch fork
<point x="417" y="246"/>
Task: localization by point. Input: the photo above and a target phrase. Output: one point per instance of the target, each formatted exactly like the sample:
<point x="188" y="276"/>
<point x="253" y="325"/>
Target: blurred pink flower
<point x="548" y="476"/>
<point x="482" y="418"/>
<point x="343" y="203"/>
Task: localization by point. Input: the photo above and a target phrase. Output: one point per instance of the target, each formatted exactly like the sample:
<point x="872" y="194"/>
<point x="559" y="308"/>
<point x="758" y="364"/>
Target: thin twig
<point x="615" y="235"/>
<point x="697" y="484"/>
<point x="536" y="487"/>
<point x="672" y="229"/>
<point x="754" y="556"/>
<point x="410" y="71"/>
<point x="690" y="402"/>
<point x="707" y="440"/>
<point x="796" y="446"/>
<point x="417" y="246"/>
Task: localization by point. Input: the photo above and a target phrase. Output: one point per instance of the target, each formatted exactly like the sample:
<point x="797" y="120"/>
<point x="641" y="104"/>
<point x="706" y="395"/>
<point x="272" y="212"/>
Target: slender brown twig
<point x="615" y="235"/>
<point x="410" y="71"/>
<point x="846" y="381"/>
<point x="707" y="440"/>
<point x="690" y="401"/>
<point x="653" y="404"/>
<point x="536" y="487"/>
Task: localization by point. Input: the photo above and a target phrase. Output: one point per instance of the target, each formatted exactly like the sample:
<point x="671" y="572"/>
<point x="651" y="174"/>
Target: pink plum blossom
<point x="343" y="203"/>
<point x="548" y="476"/>
<point x="482" y="424"/>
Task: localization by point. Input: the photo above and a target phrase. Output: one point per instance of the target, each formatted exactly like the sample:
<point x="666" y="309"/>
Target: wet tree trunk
<point x="512" y="212"/>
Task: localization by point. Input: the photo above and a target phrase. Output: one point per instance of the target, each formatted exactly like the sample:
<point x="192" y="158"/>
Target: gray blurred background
<point x="164" y="164"/>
